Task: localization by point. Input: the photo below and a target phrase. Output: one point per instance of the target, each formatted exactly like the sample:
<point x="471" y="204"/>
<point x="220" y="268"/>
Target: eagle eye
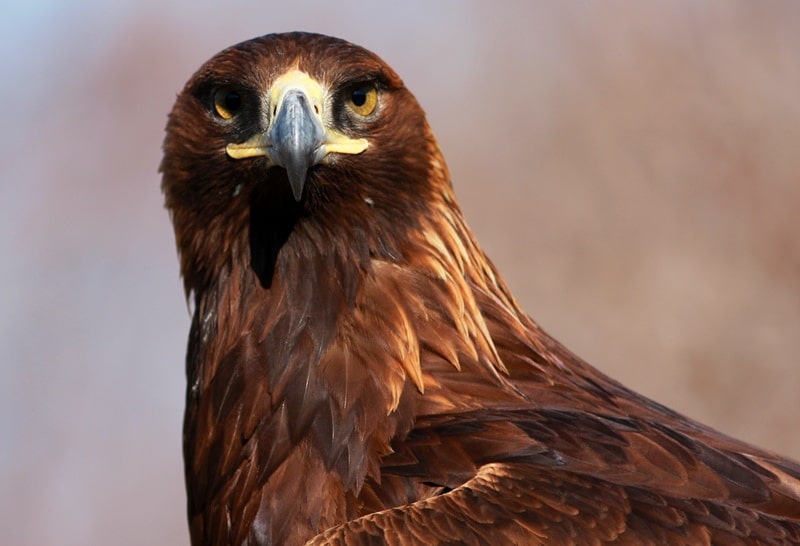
<point x="227" y="102"/>
<point x="363" y="100"/>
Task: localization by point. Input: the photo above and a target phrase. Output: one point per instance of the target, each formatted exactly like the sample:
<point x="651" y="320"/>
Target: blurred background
<point x="632" y="168"/>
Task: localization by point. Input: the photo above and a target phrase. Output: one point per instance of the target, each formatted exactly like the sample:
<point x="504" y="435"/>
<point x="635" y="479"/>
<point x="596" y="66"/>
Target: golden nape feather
<point x="358" y="372"/>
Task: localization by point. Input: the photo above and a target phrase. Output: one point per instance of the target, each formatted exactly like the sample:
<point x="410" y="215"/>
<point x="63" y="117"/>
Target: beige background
<point x="632" y="168"/>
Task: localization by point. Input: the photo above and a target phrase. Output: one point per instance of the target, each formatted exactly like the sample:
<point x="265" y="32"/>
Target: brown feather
<point x="359" y="373"/>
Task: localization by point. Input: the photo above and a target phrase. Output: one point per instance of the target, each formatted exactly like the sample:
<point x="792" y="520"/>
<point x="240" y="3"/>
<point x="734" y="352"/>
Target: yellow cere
<point x="296" y="79"/>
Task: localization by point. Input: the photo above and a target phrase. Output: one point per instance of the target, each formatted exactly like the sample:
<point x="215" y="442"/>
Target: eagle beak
<point x="297" y="137"/>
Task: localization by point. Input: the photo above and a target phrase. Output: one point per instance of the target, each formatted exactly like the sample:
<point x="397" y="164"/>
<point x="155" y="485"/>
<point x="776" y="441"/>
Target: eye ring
<point x="362" y="99"/>
<point x="227" y="102"/>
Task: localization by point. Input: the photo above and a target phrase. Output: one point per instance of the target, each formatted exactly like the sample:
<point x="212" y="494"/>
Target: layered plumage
<point x="358" y="372"/>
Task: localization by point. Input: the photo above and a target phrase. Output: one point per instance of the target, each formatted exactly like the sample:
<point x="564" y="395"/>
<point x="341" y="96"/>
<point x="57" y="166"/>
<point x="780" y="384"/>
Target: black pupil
<point x="359" y="96"/>
<point x="232" y="101"/>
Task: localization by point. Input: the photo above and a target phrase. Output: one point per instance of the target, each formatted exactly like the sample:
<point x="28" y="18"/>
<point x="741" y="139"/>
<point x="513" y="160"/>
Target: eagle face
<point x="287" y="128"/>
<point x="282" y="119"/>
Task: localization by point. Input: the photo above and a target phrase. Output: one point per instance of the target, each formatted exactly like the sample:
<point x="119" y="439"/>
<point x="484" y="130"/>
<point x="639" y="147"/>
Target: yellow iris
<point x="363" y="100"/>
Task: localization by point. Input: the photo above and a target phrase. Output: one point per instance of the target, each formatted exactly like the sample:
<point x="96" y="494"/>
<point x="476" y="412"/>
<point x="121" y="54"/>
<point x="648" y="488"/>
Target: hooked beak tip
<point x="297" y="180"/>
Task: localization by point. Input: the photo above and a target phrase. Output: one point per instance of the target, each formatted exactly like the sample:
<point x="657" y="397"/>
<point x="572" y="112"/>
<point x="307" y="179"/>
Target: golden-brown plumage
<point x="358" y="372"/>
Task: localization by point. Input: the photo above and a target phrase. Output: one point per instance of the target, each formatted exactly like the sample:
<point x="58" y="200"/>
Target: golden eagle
<point x="358" y="372"/>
